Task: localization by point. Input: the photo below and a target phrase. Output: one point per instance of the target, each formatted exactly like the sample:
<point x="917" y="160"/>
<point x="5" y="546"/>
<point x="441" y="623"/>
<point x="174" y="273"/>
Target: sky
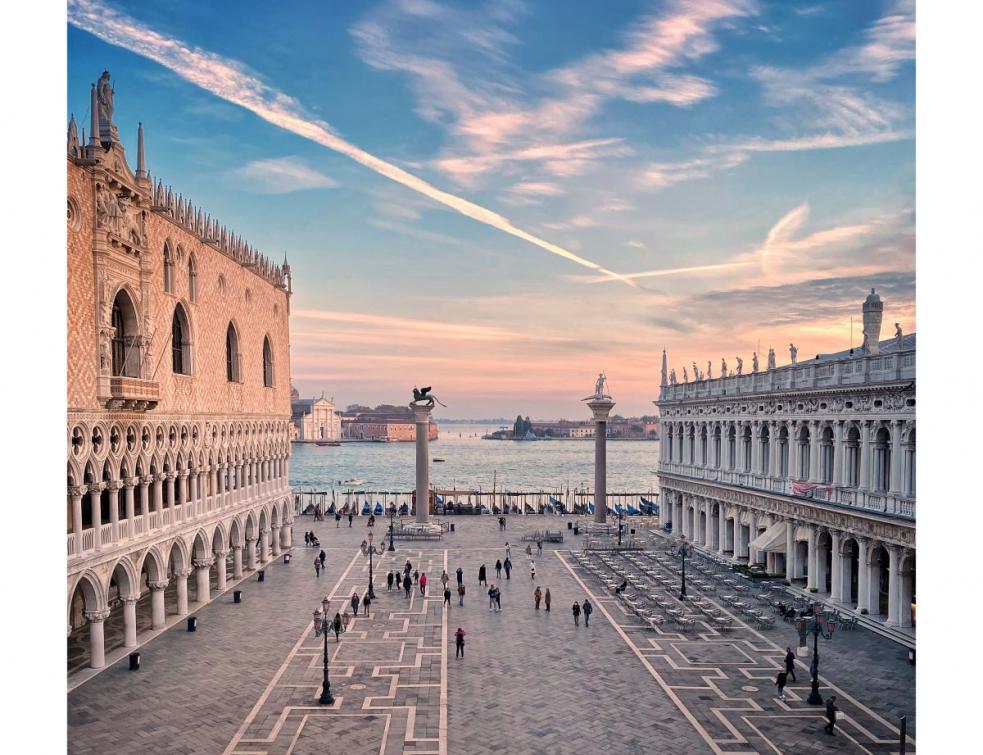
<point x="502" y="199"/>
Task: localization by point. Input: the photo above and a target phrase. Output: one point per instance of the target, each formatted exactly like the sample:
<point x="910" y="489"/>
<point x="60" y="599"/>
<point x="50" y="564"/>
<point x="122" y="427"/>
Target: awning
<point x="772" y="540"/>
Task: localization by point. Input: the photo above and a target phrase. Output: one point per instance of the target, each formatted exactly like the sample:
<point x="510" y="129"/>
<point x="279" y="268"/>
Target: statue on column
<point x="793" y="352"/>
<point x="771" y="358"/>
<point x="740" y="366"/>
<point x="599" y="386"/>
<point x="665" y="377"/>
<point x="754" y="361"/>
<point x="423" y="396"/>
<point x="104" y="93"/>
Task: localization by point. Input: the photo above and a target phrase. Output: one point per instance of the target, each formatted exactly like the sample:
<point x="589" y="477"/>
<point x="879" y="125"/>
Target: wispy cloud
<point x="279" y="175"/>
<point x="230" y="81"/>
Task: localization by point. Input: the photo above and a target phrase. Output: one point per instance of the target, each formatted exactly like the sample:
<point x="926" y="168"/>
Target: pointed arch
<point x="267" y="362"/>
<point x="233" y="358"/>
<point x="181" y="341"/>
<point x="192" y="278"/>
<point x="126" y="336"/>
<point x="168" y="268"/>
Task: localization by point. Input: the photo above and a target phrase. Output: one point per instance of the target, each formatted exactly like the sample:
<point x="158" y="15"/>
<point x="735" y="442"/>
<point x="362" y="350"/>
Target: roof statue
<point x="599" y="387"/>
<point x="793" y="352"/>
<point x="740" y="365"/>
<point x="898" y="336"/>
<point x="771" y="358"/>
<point x="685" y="376"/>
<point x="709" y="370"/>
<point x="723" y="367"/>
<point x="672" y="376"/>
<point x="754" y="361"/>
<point x="873" y="313"/>
<point x="423" y="396"/>
<point x="108" y="133"/>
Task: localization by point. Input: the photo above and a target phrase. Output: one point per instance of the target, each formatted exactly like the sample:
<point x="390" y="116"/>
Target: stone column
<point x="905" y="594"/>
<point x="773" y="470"/>
<point x="236" y="562"/>
<point x="897" y="458"/>
<point x="601" y="408"/>
<point x="837" y="453"/>
<point x="836" y="561"/>
<point x="97" y="644"/>
<point x="130" y="510"/>
<point x="812" y="560"/>
<point x="145" y="498"/>
<point x="76" y="493"/>
<point x="752" y="553"/>
<point x="894" y="586"/>
<point x="708" y="530"/>
<point x="95" y="498"/>
<point x="756" y="448"/>
<point x="821" y="568"/>
<point x="264" y="546"/>
<point x="157" y="608"/>
<point x="171" y="493"/>
<point x="251" y="554"/>
<point x="202" y="567"/>
<point x="814" y="451"/>
<point x="421" y="416"/>
<point x="182" y="591"/>
<point x="130" y="621"/>
<point x="275" y="541"/>
<point x="789" y="549"/>
<point x="864" y="482"/>
<point x="114" y="487"/>
<point x="220" y="563"/>
<point x="863" y="572"/>
<point x="287" y="531"/>
<point x="158" y="491"/>
<point x="721" y="528"/>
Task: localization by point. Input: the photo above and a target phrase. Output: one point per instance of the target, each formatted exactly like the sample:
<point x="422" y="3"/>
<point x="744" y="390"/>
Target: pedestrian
<point x="366" y="601"/>
<point x="498" y="569"/>
<point x="354" y="602"/>
<point x="336" y="624"/>
<point x="537" y="596"/>
<point x="416" y="576"/>
<point x="482" y="580"/>
<point x="491" y="597"/>
<point x="460" y="594"/>
<point x="588" y="609"/>
<point x="780" y="681"/>
<point x="831" y="715"/>
<point x="345" y="618"/>
<point x="444" y="579"/>
<point x="498" y="599"/>
<point x="317" y="568"/>
<point x="460" y="575"/>
<point x="508" y="568"/>
<point x="350" y="517"/>
<point x="576" y="614"/>
<point x="407" y="567"/>
<point x="321" y="556"/>
<point x="532" y="569"/>
<point x="539" y="545"/>
<point x="337" y="520"/>
<point x="423" y="584"/>
<point x="459" y="642"/>
<point x="389" y="581"/>
<point x="790" y="662"/>
<point x="529" y="552"/>
<point x="508" y="551"/>
<point x="307" y="539"/>
<point x="546" y="599"/>
<point x="447" y="596"/>
<point x="407" y="584"/>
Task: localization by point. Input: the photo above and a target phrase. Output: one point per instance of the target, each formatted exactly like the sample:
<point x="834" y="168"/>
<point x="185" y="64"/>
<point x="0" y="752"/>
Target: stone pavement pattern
<point x="248" y="680"/>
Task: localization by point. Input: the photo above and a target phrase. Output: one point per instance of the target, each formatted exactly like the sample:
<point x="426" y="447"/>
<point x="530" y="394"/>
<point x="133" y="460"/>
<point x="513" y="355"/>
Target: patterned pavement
<point x="247" y="681"/>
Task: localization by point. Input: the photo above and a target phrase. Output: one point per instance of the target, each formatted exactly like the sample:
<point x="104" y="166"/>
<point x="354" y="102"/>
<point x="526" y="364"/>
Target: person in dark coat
<point x="508" y="567"/>
<point x="780" y="681"/>
<point x="321" y="556"/>
<point x="336" y="625"/>
<point x="588" y="609"/>
<point x="831" y="715"/>
<point x="366" y="601"/>
<point x="460" y="575"/>
<point x="459" y="642"/>
<point x="355" y="603"/>
<point x="790" y="663"/>
<point x="498" y="569"/>
<point x="307" y="539"/>
<point x="389" y="581"/>
<point x="482" y="575"/>
<point x="407" y="584"/>
<point x="576" y="614"/>
<point x="447" y="596"/>
<point x="350" y="517"/>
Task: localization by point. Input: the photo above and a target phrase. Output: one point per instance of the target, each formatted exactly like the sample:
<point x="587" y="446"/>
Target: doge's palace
<point x="178" y="432"/>
<point x="806" y="470"/>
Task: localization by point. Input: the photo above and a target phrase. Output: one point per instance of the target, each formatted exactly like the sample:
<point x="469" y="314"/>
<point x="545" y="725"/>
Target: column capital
<point x="77" y="490"/>
<point x="114" y="486"/>
<point x="220" y="555"/>
<point x="203" y="563"/>
<point x="96" y="616"/>
<point x="248" y="541"/>
<point x="183" y="473"/>
<point x="131" y="600"/>
<point x="146" y="480"/>
<point x="266" y="530"/>
<point x="183" y="574"/>
<point x="158" y="585"/>
<point x="97" y="487"/>
<point x="238" y="547"/>
<point x="131" y="482"/>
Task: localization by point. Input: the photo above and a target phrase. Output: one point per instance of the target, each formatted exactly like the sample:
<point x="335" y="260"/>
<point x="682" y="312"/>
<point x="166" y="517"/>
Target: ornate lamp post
<point x="392" y="527"/>
<point x="322" y="626"/>
<point x="814" y="624"/>
<point x="682" y="549"/>
<point x="371" y="550"/>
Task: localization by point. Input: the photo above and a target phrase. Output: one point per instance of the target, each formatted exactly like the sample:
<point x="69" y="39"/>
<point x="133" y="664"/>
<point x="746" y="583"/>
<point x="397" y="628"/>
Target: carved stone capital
<point x="131" y="482"/>
<point x="220" y="555"/>
<point x="78" y="490"/>
<point x="131" y="600"/>
<point x="97" y="487"/>
<point x="183" y="574"/>
<point x="96" y="616"/>
<point x="114" y="486"/>
<point x="158" y="585"/>
<point x="145" y="481"/>
<point x="203" y="563"/>
<point x="237" y="547"/>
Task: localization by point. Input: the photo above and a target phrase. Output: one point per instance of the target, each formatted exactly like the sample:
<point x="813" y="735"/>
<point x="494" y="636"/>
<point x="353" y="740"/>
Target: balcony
<point x="132" y="394"/>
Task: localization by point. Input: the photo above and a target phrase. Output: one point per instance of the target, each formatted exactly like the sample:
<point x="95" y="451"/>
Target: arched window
<point x="804" y="441"/>
<point x="267" y="363"/>
<point x="853" y="458"/>
<point x="232" y="354"/>
<point x="882" y="461"/>
<point x="180" y="342"/>
<point x="192" y="279"/>
<point x="168" y="269"/>
<point x="126" y="339"/>
<point x="783" y="452"/>
<point x="765" y="450"/>
<point x="826" y="456"/>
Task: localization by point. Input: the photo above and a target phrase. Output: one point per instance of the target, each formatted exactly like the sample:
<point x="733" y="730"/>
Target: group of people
<point x="319" y="564"/>
<point x="337" y="519"/>
<point x="310" y="540"/>
<point x="781" y="680"/>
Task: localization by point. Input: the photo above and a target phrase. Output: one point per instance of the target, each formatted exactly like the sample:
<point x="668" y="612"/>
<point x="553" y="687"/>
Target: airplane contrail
<point x="229" y="80"/>
<point x="671" y="271"/>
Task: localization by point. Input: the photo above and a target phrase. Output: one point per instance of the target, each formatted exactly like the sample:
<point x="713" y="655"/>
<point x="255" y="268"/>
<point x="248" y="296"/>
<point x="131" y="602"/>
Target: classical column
<point x="863" y="572"/>
<point x="264" y="545"/>
<point x="897" y="457"/>
<point x="905" y="589"/>
<point x="157" y="609"/>
<point x="894" y="586"/>
<point x="287" y="531"/>
<point x="601" y="408"/>
<point x="812" y="561"/>
<point x="114" y="487"/>
<point x="708" y="530"/>
<point x="76" y="492"/>
<point x="130" y="621"/>
<point x="814" y="451"/>
<point x="171" y="477"/>
<point x="182" y="591"/>
<point x="275" y="541"/>
<point x="836" y="561"/>
<point x="95" y="498"/>
<point x="128" y="504"/>
<point x="752" y="553"/>
<point x="220" y="564"/>
<point x="864" y="483"/>
<point x="721" y="528"/>
<point x="838" y="453"/>
<point x="202" y="567"/>
<point x="237" y="562"/>
<point x="251" y="554"/>
<point x="212" y="490"/>
<point x="756" y="448"/>
<point x="421" y="417"/>
<point x="97" y="644"/>
<point x="182" y="488"/>
<point x="158" y="480"/>
<point x="145" y="498"/>
<point x="793" y="450"/>
<point x="821" y="568"/>
<point x="789" y="549"/>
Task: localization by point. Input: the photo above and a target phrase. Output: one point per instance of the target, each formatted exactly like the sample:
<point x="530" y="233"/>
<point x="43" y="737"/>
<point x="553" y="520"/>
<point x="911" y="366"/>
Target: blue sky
<point x="501" y="199"/>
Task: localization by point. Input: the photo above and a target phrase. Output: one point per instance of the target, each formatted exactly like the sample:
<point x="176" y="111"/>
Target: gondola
<point x="484" y="509"/>
<point x="366" y="508"/>
<point x="590" y="507"/>
<point x="558" y="506"/>
<point x="632" y="511"/>
<point x="378" y="509"/>
<point x="618" y="510"/>
<point x="496" y="509"/>
<point x="331" y="508"/>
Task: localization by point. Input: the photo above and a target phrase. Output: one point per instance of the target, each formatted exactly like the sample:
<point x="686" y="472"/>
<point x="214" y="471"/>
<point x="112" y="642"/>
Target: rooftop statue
<point x="599" y="394"/>
<point x="685" y="376"/>
<point x="723" y="367"/>
<point x="105" y="92"/>
<point x="672" y="376"/>
<point x="754" y="361"/>
<point x="898" y="336"/>
<point x="423" y="396"/>
<point x="771" y="358"/>
<point x="740" y="365"/>
<point x="709" y="370"/>
<point x="793" y="352"/>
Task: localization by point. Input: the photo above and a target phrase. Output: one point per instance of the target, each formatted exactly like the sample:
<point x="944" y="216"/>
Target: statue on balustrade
<point x="740" y="366"/>
<point x="754" y="361"/>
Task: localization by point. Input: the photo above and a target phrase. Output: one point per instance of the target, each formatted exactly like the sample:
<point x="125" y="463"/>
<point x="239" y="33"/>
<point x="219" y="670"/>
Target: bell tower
<point x="873" y="313"/>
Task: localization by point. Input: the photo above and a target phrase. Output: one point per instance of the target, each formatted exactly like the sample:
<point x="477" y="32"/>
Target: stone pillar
<point x="873" y="585"/>
<point x="421" y="416"/>
<point x="894" y="586"/>
<point x="182" y="591"/>
<point x="220" y="565"/>
<point x="237" y="562"/>
<point x="708" y="528"/>
<point x="212" y="488"/>
<point x="114" y="488"/>
<point x="863" y="572"/>
<point x="897" y="458"/>
<point x="721" y="529"/>
<point x="250" y="554"/>
<point x="145" y="498"/>
<point x="773" y="445"/>
<point x="275" y="541"/>
<point x="836" y="562"/>
<point x="601" y="408"/>
<point x="752" y="553"/>
<point x="202" y="568"/>
<point x="158" y="492"/>
<point x="789" y="549"/>
<point x="97" y="644"/>
<point x="130" y="621"/>
<point x="288" y="539"/>
<point x="905" y="589"/>
<point x="76" y="493"/>
<point x="864" y="482"/>
<point x="130" y="510"/>
<point x="814" y="451"/>
<point x="264" y="546"/>
<point x="157" y="608"/>
<point x="95" y="498"/>
<point x="838" y="446"/>
<point x="756" y="448"/>
<point x="182" y="488"/>
<point x="821" y="568"/>
<point x="812" y="560"/>
<point x="170" y="489"/>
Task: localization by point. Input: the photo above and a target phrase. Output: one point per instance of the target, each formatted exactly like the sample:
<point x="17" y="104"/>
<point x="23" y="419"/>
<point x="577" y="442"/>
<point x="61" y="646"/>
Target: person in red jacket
<point x="423" y="584"/>
<point x="459" y="642"/>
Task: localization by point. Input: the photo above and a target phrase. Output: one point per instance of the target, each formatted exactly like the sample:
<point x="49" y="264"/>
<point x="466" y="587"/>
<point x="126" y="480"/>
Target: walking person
<point x="447" y="596"/>
<point x="576" y="614"/>
<point x="539" y="545"/>
<point x="588" y="609"/>
<point x="537" y="596"/>
<point x="508" y="551"/>
<point x="498" y="599"/>
<point x="459" y="643"/>
<point x="498" y="570"/>
<point x="790" y="663"/>
<point x="482" y="576"/>
<point x="444" y="579"/>
<point x="529" y="552"/>
<point x="780" y="681"/>
<point x="337" y="520"/>
<point x="491" y="597"/>
<point x="317" y="568"/>
<point x="322" y="557"/>
<point x="354" y="603"/>
<point x="460" y="575"/>
<point x="546" y="599"/>
<point x="532" y="569"/>
<point x="345" y="618"/>
<point x="407" y="584"/>
<point x="423" y="584"/>
<point x="307" y="539"/>
<point x="350" y="517"/>
<point x="831" y="715"/>
<point x="460" y="594"/>
<point x="389" y="581"/>
<point x="366" y="601"/>
<point x="508" y="568"/>
<point x="416" y="576"/>
<point x="336" y="625"/>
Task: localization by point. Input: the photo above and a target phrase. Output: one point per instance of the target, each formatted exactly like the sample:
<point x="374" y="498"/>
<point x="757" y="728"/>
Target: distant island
<point x="618" y="428"/>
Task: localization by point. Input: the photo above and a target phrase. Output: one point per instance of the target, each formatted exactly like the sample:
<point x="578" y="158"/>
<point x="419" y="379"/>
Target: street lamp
<point x="322" y="626"/>
<point x="371" y="550"/>
<point x="814" y="624"/>
<point x="683" y="548"/>
<point x="392" y="527"/>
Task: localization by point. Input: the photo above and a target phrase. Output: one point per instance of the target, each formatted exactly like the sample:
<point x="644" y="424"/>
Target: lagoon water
<point x="473" y="463"/>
